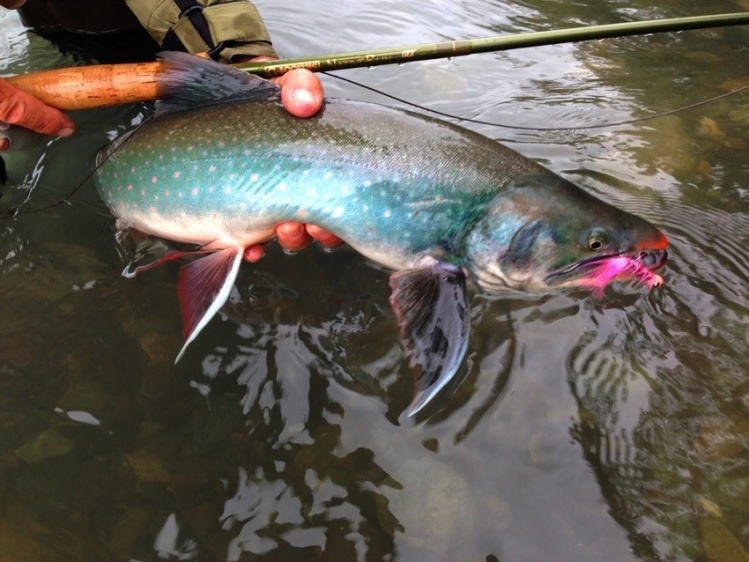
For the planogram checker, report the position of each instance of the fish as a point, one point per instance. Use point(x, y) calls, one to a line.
point(221, 163)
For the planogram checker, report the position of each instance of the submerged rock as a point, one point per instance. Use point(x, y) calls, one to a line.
point(434, 507)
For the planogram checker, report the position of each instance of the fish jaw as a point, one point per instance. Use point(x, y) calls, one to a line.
point(597, 273)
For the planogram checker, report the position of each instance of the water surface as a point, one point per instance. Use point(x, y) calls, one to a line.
point(583, 428)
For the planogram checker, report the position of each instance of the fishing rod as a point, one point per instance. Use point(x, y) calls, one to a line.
point(86, 87)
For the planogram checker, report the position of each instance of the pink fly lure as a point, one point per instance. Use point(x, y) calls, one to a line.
point(620, 267)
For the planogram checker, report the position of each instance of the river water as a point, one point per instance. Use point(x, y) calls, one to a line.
point(583, 429)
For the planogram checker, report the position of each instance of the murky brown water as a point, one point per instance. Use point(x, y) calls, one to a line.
point(583, 429)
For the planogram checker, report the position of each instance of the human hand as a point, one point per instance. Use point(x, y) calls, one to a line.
point(19, 108)
point(301, 90)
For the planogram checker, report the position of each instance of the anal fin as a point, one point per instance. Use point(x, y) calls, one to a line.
point(204, 286)
point(431, 306)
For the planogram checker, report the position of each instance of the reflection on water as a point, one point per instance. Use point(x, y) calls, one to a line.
point(582, 428)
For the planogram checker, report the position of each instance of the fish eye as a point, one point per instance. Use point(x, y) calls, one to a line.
point(597, 240)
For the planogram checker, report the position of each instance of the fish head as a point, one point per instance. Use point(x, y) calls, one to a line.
point(544, 233)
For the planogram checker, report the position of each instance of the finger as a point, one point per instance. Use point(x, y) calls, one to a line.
point(301, 92)
point(325, 237)
point(254, 253)
point(293, 236)
point(19, 108)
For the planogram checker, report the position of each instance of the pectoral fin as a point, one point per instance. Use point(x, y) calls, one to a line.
point(151, 252)
point(204, 285)
point(431, 306)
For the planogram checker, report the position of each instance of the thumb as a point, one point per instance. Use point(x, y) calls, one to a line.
point(19, 108)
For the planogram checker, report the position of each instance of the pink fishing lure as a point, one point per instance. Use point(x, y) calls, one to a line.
point(620, 267)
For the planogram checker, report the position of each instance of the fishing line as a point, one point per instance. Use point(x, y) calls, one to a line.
point(546, 129)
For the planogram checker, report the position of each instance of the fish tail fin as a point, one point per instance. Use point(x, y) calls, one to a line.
point(204, 286)
point(190, 81)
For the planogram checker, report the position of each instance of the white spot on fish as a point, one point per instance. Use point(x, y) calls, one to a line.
point(387, 214)
point(246, 152)
point(327, 175)
point(253, 177)
point(282, 186)
point(345, 190)
point(367, 183)
point(194, 190)
point(337, 212)
point(365, 208)
point(227, 190)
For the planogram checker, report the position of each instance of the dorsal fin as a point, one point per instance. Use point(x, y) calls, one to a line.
point(190, 81)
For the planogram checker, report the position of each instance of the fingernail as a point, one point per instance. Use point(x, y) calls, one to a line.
point(65, 132)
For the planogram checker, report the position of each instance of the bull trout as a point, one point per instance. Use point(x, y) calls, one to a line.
point(222, 163)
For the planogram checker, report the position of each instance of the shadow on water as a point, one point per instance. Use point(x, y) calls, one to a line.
point(581, 428)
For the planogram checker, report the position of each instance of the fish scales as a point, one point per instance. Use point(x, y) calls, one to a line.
point(371, 174)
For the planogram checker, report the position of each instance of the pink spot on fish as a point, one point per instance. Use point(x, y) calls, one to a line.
point(227, 190)
point(132, 170)
point(189, 149)
point(166, 192)
point(130, 187)
point(142, 191)
point(154, 179)
point(212, 169)
point(194, 191)
point(176, 175)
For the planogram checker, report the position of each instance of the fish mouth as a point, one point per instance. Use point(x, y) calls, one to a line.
point(598, 271)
